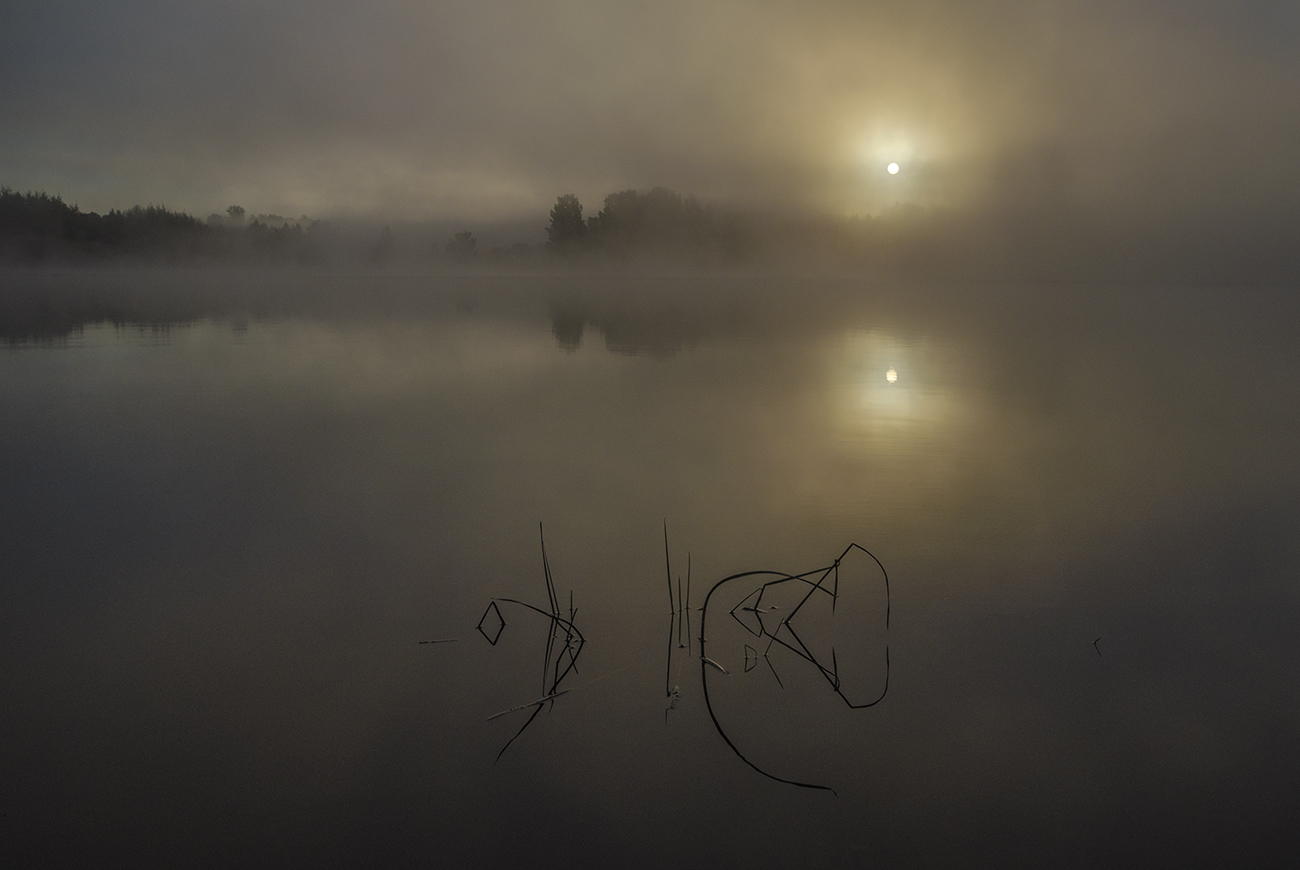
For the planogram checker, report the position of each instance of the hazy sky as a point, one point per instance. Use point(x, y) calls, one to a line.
point(478, 108)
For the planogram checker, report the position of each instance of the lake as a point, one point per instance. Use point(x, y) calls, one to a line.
point(278, 548)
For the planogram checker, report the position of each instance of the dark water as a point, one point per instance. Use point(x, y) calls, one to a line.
point(232, 506)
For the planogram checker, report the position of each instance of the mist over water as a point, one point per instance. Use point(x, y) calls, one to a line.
point(233, 504)
point(721, 434)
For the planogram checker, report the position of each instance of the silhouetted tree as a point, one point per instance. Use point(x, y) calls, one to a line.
point(36, 226)
point(236, 213)
point(567, 229)
point(615, 226)
point(661, 220)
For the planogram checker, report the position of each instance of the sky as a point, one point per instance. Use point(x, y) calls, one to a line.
point(491, 108)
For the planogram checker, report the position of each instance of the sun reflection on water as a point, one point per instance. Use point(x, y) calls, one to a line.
point(893, 415)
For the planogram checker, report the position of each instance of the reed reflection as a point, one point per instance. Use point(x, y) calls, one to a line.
point(679, 629)
point(795, 615)
point(564, 643)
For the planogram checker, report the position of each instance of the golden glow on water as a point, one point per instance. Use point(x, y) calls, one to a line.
point(919, 415)
point(870, 401)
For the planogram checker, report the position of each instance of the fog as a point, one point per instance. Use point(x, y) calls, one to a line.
point(489, 110)
point(234, 503)
point(312, 316)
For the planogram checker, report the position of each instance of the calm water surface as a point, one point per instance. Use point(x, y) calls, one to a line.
point(231, 507)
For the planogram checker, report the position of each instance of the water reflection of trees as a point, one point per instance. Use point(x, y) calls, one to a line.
point(40, 306)
point(55, 317)
point(658, 332)
point(567, 324)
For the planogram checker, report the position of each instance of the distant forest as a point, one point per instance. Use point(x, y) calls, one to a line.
point(39, 228)
point(663, 227)
point(658, 226)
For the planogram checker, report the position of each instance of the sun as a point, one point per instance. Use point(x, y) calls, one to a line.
point(893, 168)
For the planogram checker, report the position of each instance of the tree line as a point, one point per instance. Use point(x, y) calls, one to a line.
point(660, 222)
point(906, 240)
point(37, 227)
